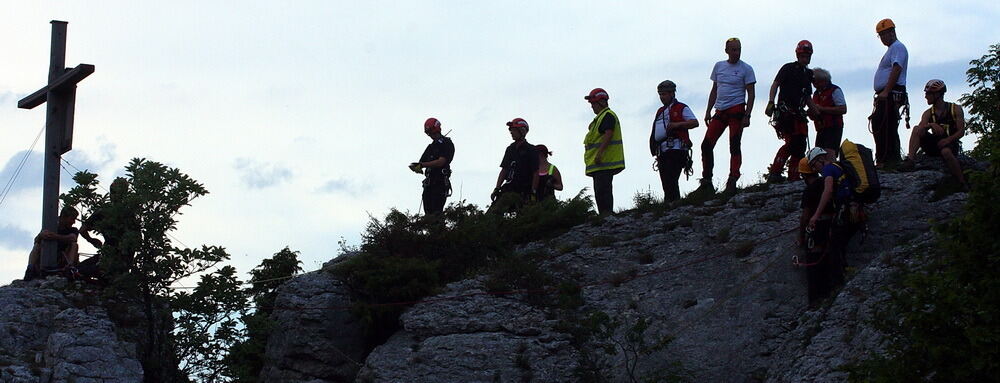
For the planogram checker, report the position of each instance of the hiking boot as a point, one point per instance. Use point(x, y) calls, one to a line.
point(775, 178)
point(706, 184)
point(731, 185)
point(907, 165)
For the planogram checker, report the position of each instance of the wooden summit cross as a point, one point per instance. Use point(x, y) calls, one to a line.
point(60, 94)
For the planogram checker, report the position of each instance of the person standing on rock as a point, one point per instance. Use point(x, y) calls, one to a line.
point(669, 142)
point(435, 165)
point(822, 271)
point(67, 251)
point(604, 153)
point(788, 116)
point(835, 197)
point(517, 181)
point(549, 178)
point(940, 129)
point(827, 109)
point(890, 95)
point(732, 96)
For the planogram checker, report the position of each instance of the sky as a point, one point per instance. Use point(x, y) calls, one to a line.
point(301, 117)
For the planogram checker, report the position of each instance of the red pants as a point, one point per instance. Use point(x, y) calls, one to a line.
point(791, 152)
point(733, 118)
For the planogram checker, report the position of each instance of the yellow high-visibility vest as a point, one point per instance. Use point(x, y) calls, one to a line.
point(614, 154)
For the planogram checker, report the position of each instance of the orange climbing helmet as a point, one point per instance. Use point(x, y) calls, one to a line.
point(883, 25)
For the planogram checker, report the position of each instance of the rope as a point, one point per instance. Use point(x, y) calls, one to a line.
point(13, 178)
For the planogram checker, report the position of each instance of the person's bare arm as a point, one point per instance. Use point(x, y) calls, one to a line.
point(501, 176)
point(711, 102)
point(823, 201)
point(557, 177)
point(689, 124)
point(751, 95)
point(439, 162)
point(959, 125)
point(85, 231)
point(769, 110)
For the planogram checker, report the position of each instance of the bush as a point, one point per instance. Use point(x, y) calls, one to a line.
point(404, 258)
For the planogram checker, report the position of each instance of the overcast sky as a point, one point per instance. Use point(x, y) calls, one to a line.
point(300, 117)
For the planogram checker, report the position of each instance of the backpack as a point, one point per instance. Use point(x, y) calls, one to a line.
point(859, 166)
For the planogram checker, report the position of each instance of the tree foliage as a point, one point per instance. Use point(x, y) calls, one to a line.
point(245, 357)
point(984, 101)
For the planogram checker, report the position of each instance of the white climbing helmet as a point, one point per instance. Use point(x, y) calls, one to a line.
point(814, 153)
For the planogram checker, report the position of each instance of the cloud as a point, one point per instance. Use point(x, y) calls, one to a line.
point(30, 174)
point(344, 186)
point(14, 238)
point(261, 175)
point(6, 96)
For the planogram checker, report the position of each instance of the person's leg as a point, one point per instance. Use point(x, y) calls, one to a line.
point(603, 194)
point(879, 122)
point(434, 198)
point(72, 254)
point(835, 138)
point(893, 145)
point(736, 154)
point(778, 165)
point(35, 256)
point(662, 163)
point(675, 165)
point(796, 150)
point(950, 160)
point(715, 129)
point(815, 277)
point(915, 138)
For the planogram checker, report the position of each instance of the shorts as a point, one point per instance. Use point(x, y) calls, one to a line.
point(929, 143)
point(829, 137)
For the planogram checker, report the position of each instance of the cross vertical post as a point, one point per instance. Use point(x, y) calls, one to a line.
point(60, 96)
point(53, 137)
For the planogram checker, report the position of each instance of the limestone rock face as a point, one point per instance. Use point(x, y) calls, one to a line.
point(48, 333)
point(475, 339)
point(718, 279)
point(316, 339)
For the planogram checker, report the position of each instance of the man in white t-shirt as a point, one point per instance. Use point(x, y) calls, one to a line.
point(890, 95)
point(732, 96)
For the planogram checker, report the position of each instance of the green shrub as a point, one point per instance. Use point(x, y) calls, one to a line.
point(404, 258)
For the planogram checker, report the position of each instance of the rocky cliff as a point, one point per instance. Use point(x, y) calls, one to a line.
point(716, 279)
point(56, 331)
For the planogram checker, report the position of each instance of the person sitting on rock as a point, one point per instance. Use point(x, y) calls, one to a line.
point(65, 237)
point(822, 272)
point(109, 222)
point(940, 129)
